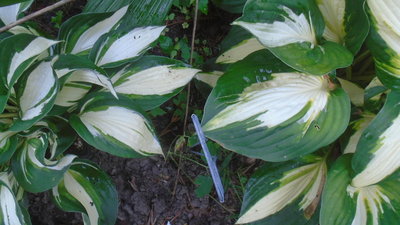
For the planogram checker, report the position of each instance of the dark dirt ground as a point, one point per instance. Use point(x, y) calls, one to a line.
point(153, 190)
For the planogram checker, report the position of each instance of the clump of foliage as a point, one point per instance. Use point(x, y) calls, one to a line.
point(94, 80)
point(283, 98)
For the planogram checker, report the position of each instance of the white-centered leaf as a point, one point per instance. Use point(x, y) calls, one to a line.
point(34, 49)
point(124, 125)
point(129, 45)
point(263, 101)
point(294, 29)
point(10, 213)
point(384, 160)
point(240, 51)
point(333, 12)
point(369, 205)
point(9, 14)
point(39, 90)
point(305, 180)
point(91, 35)
point(387, 21)
point(209, 78)
point(158, 80)
point(71, 93)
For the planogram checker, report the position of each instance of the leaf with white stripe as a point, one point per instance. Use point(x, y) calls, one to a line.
point(115, 126)
point(240, 51)
point(77, 74)
point(292, 31)
point(87, 189)
point(81, 32)
point(210, 78)
point(33, 171)
point(36, 92)
point(246, 114)
point(285, 193)
point(10, 211)
point(9, 13)
point(152, 80)
point(118, 48)
point(377, 155)
point(8, 145)
point(384, 40)
point(17, 53)
point(357, 127)
point(341, 17)
point(344, 204)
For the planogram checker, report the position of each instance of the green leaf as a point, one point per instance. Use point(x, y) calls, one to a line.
point(9, 13)
point(33, 171)
point(357, 128)
point(141, 12)
point(240, 51)
point(245, 112)
point(383, 41)
point(35, 92)
point(8, 145)
point(17, 53)
point(81, 32)
point(11, 2)
point(203, 6)
point(10, 211)
point(355, 92)
point(377, 154)
point(152, 80)
point(115, 126)
point(341, 17)
point(118, 48)
point(284, 193)
point(205, 184)
point(87, 189)
point(344, 204)
point(292, 31)
point(232, 6)
point(210, 78)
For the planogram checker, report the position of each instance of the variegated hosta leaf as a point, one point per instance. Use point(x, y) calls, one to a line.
point(82, 31)
point(355, 92)
point(61, 134)
point(285, 193)
point(36, 92)
point(209, 78)
point(10, 211)
point(341, 17)
point(78, 74)
point(9, 13)
point(115, 126)
point(33, 171)
point(384, 40)
point(377, 155)
point(152, 80)
point(232, 6)
point(357, 128)
point(291, 30)
point(344, 204)
point(8, 145)
point(240, 51)
point(119, 48)
point(262, 109)
point(17, 53)
point(87, 189)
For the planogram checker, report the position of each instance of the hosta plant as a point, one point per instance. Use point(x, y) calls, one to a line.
point(331, 145)
point(94, 80)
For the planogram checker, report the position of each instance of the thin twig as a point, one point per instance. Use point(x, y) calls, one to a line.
point(191, 63)
point(35, 14)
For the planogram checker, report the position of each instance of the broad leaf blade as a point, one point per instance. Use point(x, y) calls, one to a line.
point(245, 112)
point(152, 80)
point(232, 6)
point(87, 189)
point(292, 31)
point(115, 126)
point(11, 2)
point(377, 154)
point(284, 193)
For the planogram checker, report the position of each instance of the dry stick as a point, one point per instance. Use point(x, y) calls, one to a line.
point(35, 14)
point(191, 62)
